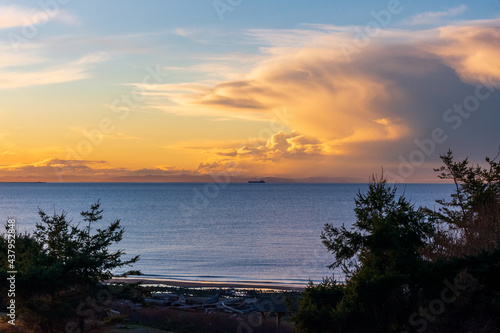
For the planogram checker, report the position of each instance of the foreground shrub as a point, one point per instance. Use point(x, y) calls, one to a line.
point(60, 268)
point(415, 270)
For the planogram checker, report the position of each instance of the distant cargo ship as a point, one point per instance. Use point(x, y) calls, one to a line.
point(256, 181)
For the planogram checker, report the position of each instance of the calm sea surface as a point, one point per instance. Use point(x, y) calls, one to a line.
point(235, 232)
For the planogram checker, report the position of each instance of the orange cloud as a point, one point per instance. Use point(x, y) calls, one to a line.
point(328, 98)
point(280, 145)
point(59, 170)
point(366, 109)
point(290, 153)
point(325, 97)
point(473, 51)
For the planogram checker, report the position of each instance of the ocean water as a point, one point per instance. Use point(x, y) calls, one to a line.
point(211, 232)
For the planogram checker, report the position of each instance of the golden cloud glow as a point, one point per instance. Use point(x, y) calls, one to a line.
point(473, 51)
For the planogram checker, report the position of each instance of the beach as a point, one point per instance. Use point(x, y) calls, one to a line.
point(208, 284)
point(191, 306)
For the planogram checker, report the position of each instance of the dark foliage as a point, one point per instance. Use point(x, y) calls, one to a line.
point(60, 268)
point(414, 270)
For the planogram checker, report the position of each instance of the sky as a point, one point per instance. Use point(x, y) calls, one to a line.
point(171, 90)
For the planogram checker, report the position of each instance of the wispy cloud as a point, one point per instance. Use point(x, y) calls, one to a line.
point(184, 32)
point(24, 59)
point(71, 71)
point(7, 153)
point(17, 16)
point(436, 17)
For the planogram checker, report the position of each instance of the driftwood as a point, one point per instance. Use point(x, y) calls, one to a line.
point(232, 309)
point(236, 306)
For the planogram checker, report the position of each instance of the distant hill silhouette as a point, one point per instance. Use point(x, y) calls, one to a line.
point(182, 178)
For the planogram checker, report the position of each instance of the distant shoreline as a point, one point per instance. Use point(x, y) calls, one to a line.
point(209, 284)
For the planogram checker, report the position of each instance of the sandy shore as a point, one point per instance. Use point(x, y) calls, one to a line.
point(208, 284)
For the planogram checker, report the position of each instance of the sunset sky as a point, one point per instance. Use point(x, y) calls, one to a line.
point(118, 90)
